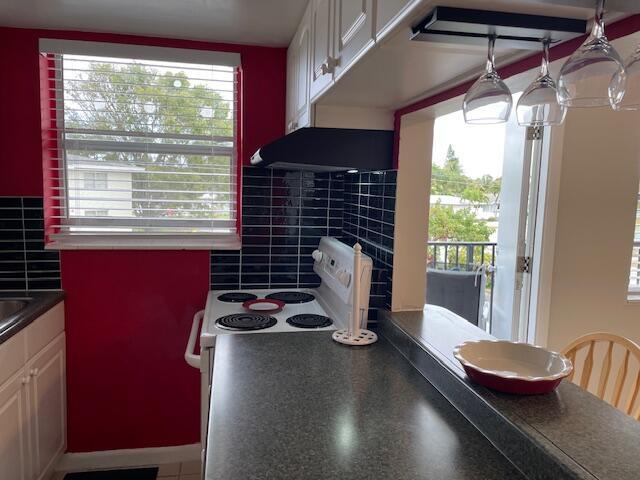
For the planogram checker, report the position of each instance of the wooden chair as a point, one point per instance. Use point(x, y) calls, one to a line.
point(616, 352)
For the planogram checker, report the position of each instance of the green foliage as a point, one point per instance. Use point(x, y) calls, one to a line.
point(138, 98)
point(450, 179)
point(449, 224)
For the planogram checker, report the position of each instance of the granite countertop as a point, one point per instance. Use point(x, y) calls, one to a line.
point(598, 439)
point(37, 304)
point(298, 405)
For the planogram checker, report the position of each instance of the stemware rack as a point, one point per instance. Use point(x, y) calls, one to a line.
point(513, 30)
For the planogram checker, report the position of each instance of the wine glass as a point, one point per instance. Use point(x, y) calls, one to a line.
point(594, 75)
point(630, 100)
point(489, 99)
point(538, 106)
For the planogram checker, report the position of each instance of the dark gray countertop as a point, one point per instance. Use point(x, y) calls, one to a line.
point(300, 406)
point(569, 422)
point(37, 304)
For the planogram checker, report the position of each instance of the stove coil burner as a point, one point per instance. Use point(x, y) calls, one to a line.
point(308, 320)
point(237, 297)
point(292, 297)
point(245, 321)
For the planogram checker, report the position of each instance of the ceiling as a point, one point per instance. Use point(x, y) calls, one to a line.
point(256, 22)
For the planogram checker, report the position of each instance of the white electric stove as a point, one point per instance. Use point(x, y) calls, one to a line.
point(327, 307)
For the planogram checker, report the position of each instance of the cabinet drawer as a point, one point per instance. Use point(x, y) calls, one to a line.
point(44, 329)
point(13, 355)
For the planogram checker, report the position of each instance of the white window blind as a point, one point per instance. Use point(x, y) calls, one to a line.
point(143, 150)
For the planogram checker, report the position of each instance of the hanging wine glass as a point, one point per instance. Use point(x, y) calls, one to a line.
point(538, 106)
point(630, 100)
point(489, 99)
point(586, 77)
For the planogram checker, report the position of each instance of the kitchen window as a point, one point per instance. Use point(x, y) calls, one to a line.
point(140, 146)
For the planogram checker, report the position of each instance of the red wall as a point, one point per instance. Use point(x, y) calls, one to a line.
point(128, 316)
point(128, 313)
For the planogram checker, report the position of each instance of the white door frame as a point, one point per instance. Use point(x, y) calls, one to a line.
point(545, 235)
point(536, 152)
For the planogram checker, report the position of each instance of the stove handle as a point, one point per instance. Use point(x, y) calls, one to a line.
point(189, 354)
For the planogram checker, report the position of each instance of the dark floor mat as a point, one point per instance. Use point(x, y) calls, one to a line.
point(132, 474)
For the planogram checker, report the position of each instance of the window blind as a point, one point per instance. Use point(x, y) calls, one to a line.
point(139, 150)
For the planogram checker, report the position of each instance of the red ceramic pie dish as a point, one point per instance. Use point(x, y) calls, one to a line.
point(511, 367)
point(264, 305)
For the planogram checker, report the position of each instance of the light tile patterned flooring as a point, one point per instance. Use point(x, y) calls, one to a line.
point(167, 471)
point(179, 471)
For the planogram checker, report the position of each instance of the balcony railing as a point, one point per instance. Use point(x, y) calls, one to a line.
point(469, 257)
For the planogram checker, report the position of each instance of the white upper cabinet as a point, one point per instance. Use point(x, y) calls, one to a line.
point(322, 59)
point(303, 53)
point(291, 89)
point(298, 76)
point(333, 36)
point(387, 11)
point(353, 32)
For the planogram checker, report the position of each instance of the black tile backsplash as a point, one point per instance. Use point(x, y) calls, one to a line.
point(369, 218)
point(24, 263)
point(284, 215)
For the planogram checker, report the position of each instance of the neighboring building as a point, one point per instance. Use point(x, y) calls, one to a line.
point(100, 189)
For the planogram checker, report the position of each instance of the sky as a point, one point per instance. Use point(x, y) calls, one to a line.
point(480, 148)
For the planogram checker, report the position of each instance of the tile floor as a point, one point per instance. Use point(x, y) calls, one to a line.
point(167, 471)
point(179, 471)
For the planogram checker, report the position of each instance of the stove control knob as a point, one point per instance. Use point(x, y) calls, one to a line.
point(317, 255)
point(344, 277)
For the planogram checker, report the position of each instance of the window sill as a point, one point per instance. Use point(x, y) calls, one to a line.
point(144, 242)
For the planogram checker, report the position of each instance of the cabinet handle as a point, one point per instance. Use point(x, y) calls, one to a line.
point(325, 68)
point(34, 372)
point(328, 66)
point(25, 380)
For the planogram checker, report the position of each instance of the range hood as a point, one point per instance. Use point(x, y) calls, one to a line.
point(328, 150)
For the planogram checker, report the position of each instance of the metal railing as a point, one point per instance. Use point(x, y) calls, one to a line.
point(468, 257)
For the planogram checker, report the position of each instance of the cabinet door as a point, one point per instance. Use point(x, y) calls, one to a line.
point(389, 10)
point(353, 31)
point(48, 405)
point(322, 61)
point(303, 47)
point(291, 87)
point(15, 458)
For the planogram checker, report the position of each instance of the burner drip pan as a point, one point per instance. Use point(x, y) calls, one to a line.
point(308, 320)
point(245, 322)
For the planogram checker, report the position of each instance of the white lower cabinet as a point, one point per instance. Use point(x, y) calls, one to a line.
point(33, 401)
point(47, 406)
point(15, 459)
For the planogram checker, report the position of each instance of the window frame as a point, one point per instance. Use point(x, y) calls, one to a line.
point(94, 181)
point(230, 240)
point(633, 291)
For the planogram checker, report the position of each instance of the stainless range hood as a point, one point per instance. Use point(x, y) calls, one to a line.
point(328, 150)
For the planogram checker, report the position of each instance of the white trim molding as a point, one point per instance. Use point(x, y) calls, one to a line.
point(127, 458)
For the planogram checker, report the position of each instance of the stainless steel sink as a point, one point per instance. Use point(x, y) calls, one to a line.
point(9, 307)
